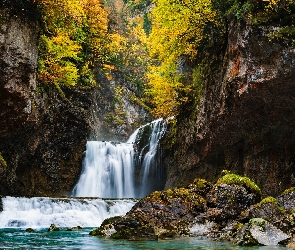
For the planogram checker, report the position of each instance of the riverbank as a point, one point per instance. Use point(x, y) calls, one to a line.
point(232, 210)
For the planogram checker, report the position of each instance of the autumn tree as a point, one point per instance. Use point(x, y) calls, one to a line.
point(177, 29)
point(72, 40)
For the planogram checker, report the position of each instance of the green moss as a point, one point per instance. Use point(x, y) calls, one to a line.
point(289, 190)
point(257, 221)
point(272, 200)
point(268, 199)
point(184, 194)
point(200, 183)
point(231, 179)
point(287, 32)
point(2, 162)
point(172, 134)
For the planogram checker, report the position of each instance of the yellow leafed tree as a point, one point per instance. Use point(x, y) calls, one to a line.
point(177, 29)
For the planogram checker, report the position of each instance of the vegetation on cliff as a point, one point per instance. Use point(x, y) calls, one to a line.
point(157, 45)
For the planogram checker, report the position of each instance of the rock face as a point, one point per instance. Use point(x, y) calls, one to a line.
point(42, 134)
point(244, 120)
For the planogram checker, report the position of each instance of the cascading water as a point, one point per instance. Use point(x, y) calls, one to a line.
point(150, 176)
point(40, 212)
point(108, 171)
point(109, 168)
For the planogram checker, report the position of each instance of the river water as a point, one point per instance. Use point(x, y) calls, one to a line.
point(17, 238)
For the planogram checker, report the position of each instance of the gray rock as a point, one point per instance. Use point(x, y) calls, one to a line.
point(268, 235)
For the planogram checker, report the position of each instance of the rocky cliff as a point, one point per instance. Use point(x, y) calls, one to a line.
point(244, 121)
point(43, 134)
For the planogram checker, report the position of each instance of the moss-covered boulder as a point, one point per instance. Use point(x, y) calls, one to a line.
point(287, 199)
point(172, 209)
point(267, 209)
point(125, 227)
point(74, 228)
point(230, 196)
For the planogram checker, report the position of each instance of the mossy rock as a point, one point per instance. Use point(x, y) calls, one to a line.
point(258, 222)
point(107, 227)
point(200, 186)
point(136, 234)
point(53, 228)
point(74, 228)
point(289, 190)
point(231, 179)
point(30, 230)
point(270, 200)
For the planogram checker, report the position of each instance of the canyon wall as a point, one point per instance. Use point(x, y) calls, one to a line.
point(244, 121)
point(43, 133)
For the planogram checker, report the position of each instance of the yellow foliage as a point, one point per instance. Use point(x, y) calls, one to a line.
point(177, 29)
point(54, 67)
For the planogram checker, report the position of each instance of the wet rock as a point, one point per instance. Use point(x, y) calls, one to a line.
point(173, 208)
point(259, 231)
point(74, 228)
point(30, 230)
point(107, 227)
point(127, 227)
point(53, 228)
point(136, 234)
point(205, 229)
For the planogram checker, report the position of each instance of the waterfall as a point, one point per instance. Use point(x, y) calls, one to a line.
point(150, 176)
point(40, 212)
point(109, 167)
point(108, 171)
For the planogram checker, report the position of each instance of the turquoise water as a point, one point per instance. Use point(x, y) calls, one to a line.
point(17, 238)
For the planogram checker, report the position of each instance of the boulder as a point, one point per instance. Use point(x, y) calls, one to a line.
point(226, 202)
point(53, 228)
point(267, 209)
point(74, 228)
point(260, 232)
point(287, 199)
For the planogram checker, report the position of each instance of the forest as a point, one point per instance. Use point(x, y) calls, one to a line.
point(146, 41)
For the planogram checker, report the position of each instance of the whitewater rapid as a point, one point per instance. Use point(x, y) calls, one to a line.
point(40, 212)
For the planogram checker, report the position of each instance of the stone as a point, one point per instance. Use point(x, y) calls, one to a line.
point(260, 232)
point(226, 202)
point(74, 228)
point(287, 199)
point(53, 228)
